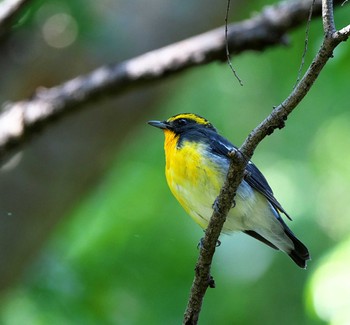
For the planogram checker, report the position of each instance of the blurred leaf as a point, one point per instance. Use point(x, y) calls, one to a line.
point(329, 287)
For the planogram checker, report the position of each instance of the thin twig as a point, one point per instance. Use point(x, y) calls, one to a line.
point(306, 43)
point(238, 164)
point(228, 56)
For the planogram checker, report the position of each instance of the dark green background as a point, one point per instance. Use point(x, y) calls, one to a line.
point(124, 250)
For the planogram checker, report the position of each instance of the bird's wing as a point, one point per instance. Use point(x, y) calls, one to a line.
point(257, 180)
point(221, 146)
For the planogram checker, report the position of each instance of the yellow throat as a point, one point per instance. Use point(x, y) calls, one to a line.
point(192, 178)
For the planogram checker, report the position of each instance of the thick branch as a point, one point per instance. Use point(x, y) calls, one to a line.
point(21, 119)
point(328, 17)
point(239, 160)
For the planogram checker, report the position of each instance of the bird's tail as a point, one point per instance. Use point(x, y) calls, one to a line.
point(300, 254)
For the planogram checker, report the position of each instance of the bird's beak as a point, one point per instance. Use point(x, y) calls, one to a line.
point(158, 124)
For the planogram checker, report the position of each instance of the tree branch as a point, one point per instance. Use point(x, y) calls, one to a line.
point(20, 120)
point(328, 17)
point(240, 158)
point(9, 10)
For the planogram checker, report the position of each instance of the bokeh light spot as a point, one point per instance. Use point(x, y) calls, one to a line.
point(330, 287)
point(60, 30)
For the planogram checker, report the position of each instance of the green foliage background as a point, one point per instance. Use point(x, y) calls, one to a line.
point(126, 252)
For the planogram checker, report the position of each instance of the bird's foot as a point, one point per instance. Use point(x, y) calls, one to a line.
point(200, 244)
point(215, 205)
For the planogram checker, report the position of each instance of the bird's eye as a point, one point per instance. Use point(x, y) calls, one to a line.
point(182, 121)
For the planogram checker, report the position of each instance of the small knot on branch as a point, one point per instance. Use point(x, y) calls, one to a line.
point(281, 123)
point(270, 130)
point(211, 282)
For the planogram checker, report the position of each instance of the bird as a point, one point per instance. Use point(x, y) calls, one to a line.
point(196, 165)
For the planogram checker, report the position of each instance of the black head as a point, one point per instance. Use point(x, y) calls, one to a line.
point(183, 122)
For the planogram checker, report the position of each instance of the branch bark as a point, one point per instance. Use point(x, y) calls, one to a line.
point(20, 120)
point(240, 158)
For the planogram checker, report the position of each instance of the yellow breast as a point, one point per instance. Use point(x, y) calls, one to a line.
point(193, 179)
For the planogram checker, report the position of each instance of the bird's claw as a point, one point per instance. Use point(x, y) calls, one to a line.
point(233, 203)
point(200, 244)
point(215, 205)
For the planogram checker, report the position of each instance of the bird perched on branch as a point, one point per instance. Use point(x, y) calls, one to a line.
point(197, 161)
